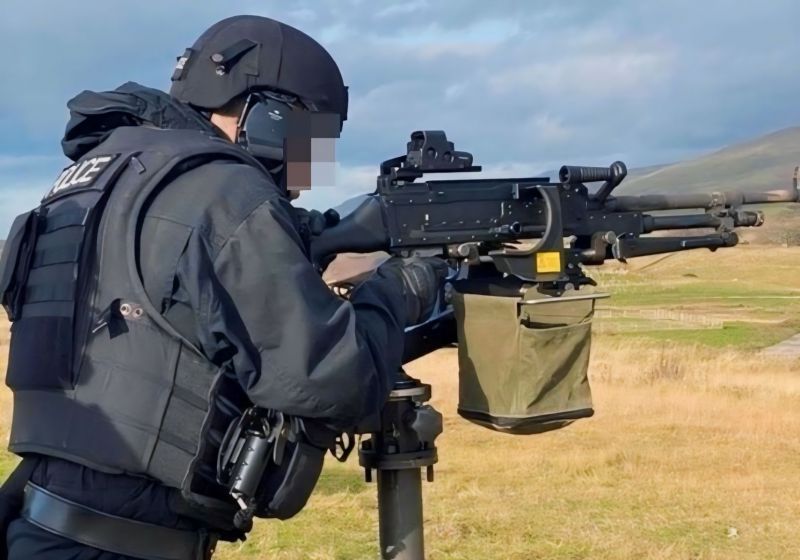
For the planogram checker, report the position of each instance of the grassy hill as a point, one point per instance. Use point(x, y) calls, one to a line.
point(763, 163)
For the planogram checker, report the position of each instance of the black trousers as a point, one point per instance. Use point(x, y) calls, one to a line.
point(126, 496)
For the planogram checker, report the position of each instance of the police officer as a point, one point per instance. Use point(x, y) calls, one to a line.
point(163, 289)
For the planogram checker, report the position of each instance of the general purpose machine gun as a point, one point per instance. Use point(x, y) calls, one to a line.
point(533, 235)
point(474, 220)
point(478, 224)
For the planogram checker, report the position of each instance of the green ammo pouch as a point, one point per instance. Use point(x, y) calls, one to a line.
point(523, 359)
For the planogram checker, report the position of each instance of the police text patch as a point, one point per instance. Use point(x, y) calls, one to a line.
point(80, 175)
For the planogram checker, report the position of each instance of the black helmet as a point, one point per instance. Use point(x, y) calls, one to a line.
point(250, 53)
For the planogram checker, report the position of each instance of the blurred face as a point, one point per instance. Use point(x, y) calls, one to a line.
point(278, 128)
point(311, 153)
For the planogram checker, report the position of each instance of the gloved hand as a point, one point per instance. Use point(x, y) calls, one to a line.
point(421, 278)
point(314, 221)
point(311, 223)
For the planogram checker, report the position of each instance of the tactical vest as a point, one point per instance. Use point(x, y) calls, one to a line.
point(99, 376)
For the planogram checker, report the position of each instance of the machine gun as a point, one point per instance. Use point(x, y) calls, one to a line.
point(480, 222)
point(538, 232)
point(475, 220)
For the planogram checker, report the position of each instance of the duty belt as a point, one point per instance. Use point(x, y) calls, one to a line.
point(110, 532)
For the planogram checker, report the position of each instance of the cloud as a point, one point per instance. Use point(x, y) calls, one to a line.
point(619, 73)
point(351, 181)
point(551, 127)
point(402, 9)
point(523, 85)
point(28, 163)
point(23, 182)
point(17, 198)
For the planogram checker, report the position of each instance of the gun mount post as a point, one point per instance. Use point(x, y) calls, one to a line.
point(404, 445)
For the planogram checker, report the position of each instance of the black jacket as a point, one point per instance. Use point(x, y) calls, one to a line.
point(242, 287)
point(239, 285)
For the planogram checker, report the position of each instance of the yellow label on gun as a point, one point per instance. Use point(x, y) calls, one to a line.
point(548, 261)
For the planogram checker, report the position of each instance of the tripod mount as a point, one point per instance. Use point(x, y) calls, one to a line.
point(403, 446)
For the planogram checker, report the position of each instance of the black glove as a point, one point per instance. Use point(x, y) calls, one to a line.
point(311, 223)
point(315, 222)
point(421, 278)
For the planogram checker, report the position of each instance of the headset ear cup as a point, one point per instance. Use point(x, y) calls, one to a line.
point(263, 127)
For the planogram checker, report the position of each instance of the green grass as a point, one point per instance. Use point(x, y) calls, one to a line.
point(743, 336)
point(754, 291)
point(691, 289)
point(700, 293)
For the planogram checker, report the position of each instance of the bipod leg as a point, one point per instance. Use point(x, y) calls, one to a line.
point(403, 446)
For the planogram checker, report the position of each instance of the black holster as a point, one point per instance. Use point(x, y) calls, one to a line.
point(270, 462)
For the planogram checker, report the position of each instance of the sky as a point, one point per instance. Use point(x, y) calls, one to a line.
point(525, 85)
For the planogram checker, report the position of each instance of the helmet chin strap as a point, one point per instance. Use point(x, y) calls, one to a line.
point(277, 169)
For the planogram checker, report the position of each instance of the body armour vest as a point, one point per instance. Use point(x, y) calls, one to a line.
point(99, 376)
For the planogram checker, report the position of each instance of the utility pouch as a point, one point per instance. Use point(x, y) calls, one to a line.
point(41, 297)
point(286, 491)
point(270, 463)
point(15, 262)
point(45, 274)
point(523, 358)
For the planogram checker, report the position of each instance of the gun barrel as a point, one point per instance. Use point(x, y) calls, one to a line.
point(651, 202)
point(692, 221)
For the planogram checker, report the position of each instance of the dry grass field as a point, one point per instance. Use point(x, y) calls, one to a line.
point(6, 460)
point(694, 451)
